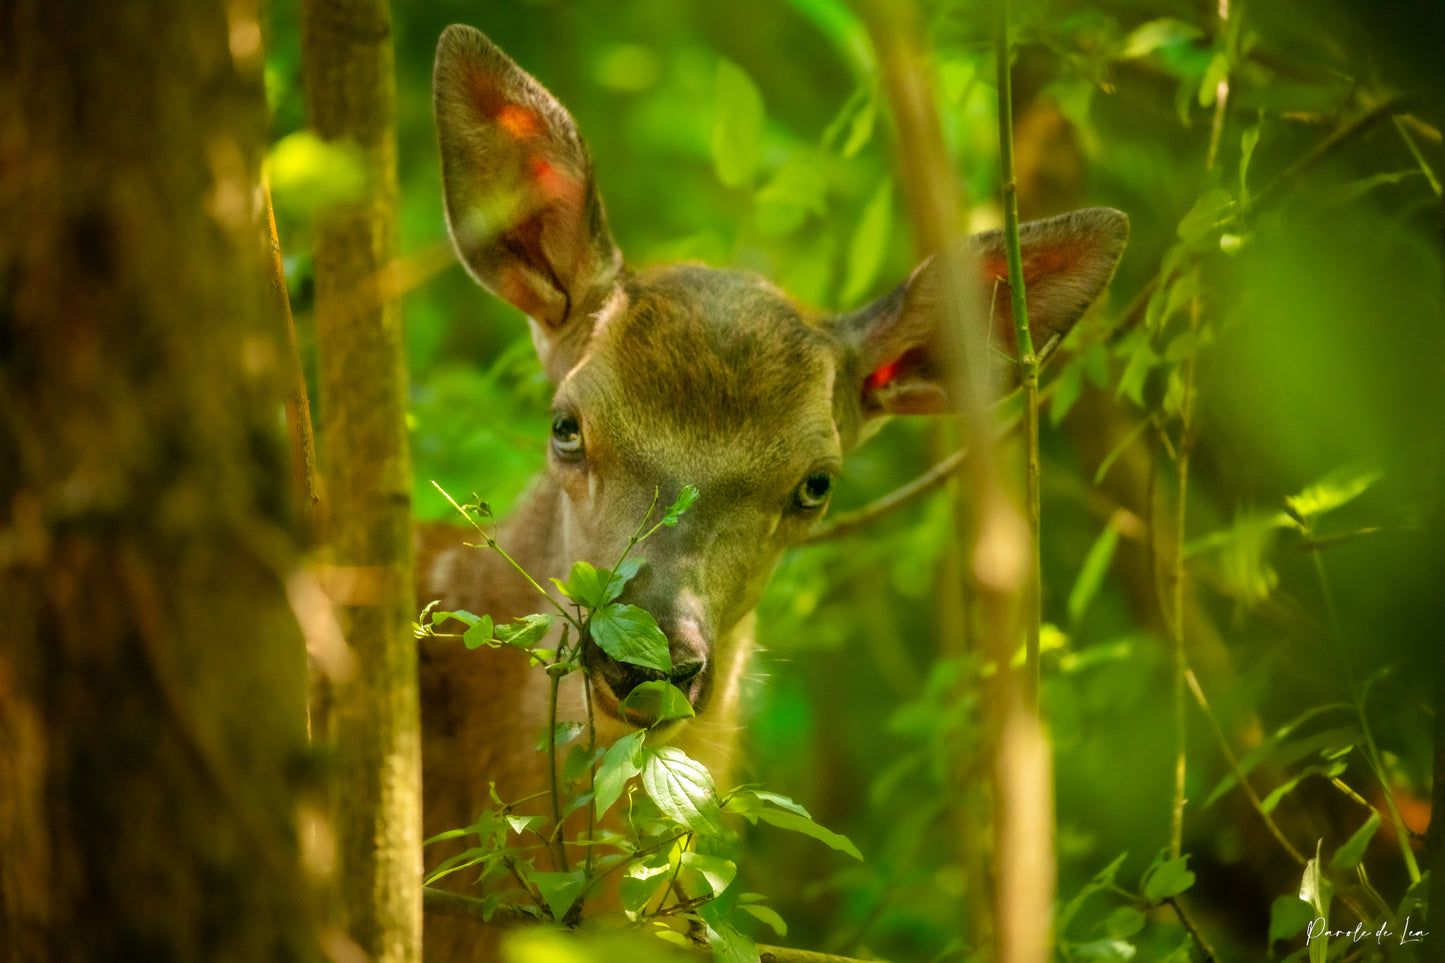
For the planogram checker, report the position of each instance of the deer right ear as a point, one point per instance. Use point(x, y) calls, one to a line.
point(1067, 262)
point(522, 207)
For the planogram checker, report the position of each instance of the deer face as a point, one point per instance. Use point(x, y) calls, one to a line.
point(682, 374)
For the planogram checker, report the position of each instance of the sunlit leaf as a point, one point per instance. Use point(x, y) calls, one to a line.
point(479, 634)
point(716, 871)
point(630, 634)
point(659, 700)
point(621, 762)
point(1164, 32)
point(685, 499)
point(802, 824)
point(682, 789)
point(1104, 951)
point(1336, 489)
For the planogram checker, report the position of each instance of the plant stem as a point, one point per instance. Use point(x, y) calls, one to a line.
point(492, 544)
point(1028, 362)
point(559, 845)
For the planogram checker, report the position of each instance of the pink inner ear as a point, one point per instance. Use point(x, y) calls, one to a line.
point(882, 376)
point(518, 121)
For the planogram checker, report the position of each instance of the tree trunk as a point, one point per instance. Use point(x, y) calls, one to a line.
point(350, 94)
point(152, 677)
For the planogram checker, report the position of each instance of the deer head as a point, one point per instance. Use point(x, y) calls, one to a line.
point(683, 374)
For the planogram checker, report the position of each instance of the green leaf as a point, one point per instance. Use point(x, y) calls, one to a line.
point(1335, 490)
point(525, 632)
point(1208, 213)
point(682, 789)
point(1104, 951)
point(1329, 771)
point(642, 884)
point(1167, 878)
point(1103, 879)
point(659, 699)
point(716, 871)
point(1288, 915)
point(1136, 372)
point(1068, 386)
point(1164, 32)
point(583, 585)
point(461, 615)
point(1214, 75)
point(1124, 922)
point(685, 498)
point(565, 733)
point(629, 634)
point(480, 634)
point(1314, 890)
point(1248, 141)
point(560, 890)
point(860, 129)
point(521, 824)
point(737, 133)
point(802, 824)
point(728, 944)
point(1092, 572)
point(622, 761)
point(767, 916)
point(870, 242)
point(1349, 855)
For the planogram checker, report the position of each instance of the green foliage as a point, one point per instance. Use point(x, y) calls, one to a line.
point(677, 855)
point(1276, 314)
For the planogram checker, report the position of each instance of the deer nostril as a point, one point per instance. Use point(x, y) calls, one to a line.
point(684, 672)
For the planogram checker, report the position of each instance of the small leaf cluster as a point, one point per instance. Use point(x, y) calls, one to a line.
point(654, 820)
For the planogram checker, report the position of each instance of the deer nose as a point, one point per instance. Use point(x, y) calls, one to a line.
point(690, 668)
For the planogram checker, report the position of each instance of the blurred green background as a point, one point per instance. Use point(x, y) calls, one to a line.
point(1285, 250)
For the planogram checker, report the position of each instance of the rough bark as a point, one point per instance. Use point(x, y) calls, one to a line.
point(152, 678)
point(351, 98)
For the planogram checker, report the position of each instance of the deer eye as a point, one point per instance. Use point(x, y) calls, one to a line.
point(566, 436)
point(813, 493)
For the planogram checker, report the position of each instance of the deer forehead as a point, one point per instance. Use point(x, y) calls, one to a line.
point(691, 370)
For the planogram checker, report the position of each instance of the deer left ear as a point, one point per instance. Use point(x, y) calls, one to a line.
point(1067, 262)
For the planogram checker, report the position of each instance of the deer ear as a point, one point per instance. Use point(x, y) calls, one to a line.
point(521, 203)
point(1067, 262)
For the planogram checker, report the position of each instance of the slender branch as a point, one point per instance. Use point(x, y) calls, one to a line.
point(559, 846)
point(1205, 950)
point(491, 543)
point(1028, 362)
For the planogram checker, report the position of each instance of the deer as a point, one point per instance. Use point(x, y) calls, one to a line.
point(665, 376)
